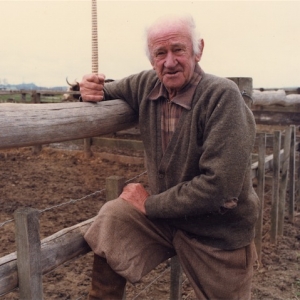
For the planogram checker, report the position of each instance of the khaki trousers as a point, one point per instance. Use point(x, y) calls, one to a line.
point(134, 245)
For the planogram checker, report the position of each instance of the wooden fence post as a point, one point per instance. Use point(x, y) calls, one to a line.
point(298, 181)
point(28, 253)
point(260, 192)
point(36, 149)
point(245, 85)
point(23, 97)
point(36, 97)
point(87, 143)
point(114, 187)
point(33, 97)
point(292, 175)
point(284, 180)
point(275, 196)
point(176, 279)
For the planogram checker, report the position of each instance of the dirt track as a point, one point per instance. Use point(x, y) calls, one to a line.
point(56, 176)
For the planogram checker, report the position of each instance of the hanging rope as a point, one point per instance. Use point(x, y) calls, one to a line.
point(94, 38)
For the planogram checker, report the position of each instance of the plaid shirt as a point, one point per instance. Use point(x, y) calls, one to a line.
point(171, 110)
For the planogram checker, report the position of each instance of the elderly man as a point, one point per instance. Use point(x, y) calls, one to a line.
point(198, 136)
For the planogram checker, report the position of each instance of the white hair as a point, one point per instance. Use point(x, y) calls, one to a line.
point(166, 21)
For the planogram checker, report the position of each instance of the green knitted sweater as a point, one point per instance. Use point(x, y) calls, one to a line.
point(202, 183)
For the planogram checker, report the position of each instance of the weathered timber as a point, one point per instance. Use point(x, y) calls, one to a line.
point(55, 250)
point(268, 164)
point(284, 180)
point(36, 149)
point(87, 143)
point(119, 143)
point(270, 138)
point(292, 165)
point(298, 183)
point(64, 245)
point(275, 188)
point(31, 124)
point(277, 108)
point(176, 279)
point(29, 253)
point(276, 117)
point(123, 159)
point(8, 273)
point(114, 187)
point(277, 114)
point(260, 193)
point(245, 85)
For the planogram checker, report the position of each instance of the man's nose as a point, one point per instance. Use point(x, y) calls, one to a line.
point(170, 60)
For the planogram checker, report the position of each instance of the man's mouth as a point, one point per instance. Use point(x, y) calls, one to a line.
point(171, 73)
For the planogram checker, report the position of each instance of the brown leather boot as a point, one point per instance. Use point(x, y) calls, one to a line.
point(106, 283)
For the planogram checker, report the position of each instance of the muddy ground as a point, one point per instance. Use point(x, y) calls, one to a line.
point(58, 174)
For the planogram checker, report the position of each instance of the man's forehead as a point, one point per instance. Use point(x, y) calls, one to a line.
point(169, 38)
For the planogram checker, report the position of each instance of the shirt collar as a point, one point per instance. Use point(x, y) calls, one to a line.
point(184, 96)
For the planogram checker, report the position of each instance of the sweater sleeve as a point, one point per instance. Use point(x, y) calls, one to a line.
point(131, 89)
point(227, 141)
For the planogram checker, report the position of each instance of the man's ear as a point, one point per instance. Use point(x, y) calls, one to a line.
point(201, 47)
point(152, 64)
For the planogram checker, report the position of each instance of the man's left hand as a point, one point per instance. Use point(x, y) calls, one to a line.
point(136, 195)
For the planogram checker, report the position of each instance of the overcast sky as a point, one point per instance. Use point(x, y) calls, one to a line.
point(46, 41)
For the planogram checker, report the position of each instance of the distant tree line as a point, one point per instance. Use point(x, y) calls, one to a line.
point(4, 85)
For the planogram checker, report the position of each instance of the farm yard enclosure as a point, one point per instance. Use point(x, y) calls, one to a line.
point(57, 175)
point(40, 181)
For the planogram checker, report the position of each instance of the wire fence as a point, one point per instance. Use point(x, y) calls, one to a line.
point(73, 201)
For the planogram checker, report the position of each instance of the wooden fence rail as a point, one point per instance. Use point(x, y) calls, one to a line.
point(264, 114)
point(33, 124)
point(55, 250)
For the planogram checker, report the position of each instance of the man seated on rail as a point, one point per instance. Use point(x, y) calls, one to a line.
point(198, 136)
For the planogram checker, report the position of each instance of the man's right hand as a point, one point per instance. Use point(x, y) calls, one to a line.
point(91, 87)
point(136, 195)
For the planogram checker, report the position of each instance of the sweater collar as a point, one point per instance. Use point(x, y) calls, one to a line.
point(184, 97)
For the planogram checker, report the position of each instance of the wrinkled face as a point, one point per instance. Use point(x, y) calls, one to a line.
point(172, 57)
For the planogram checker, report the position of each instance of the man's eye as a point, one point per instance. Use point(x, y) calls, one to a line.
point(160, 53)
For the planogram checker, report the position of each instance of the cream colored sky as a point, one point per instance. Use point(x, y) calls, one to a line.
point(46, 41)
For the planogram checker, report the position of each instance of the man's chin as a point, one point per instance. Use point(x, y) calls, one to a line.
point(173, 83)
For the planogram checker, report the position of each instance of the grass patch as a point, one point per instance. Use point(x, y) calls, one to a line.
point(17, 98)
